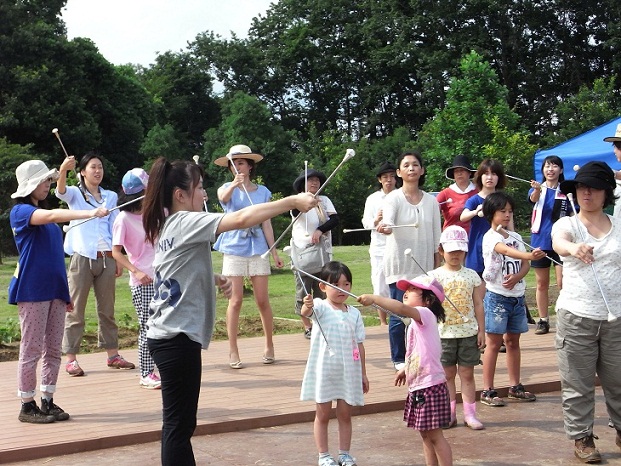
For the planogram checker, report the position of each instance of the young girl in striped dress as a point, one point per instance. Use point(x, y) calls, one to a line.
point(336, 363)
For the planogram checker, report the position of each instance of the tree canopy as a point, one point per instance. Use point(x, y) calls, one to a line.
point(312, 78)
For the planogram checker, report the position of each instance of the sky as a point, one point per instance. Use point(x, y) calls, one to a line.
point(134, 31)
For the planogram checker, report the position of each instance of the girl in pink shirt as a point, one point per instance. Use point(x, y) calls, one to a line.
point(427, 408)
point(128, 233)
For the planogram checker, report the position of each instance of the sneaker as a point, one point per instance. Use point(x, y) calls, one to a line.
point(503, 348)
point(490, 398)
point(327, 461)
point(74, 369)
point(543, 327)
point(346, 460)
point(51, 409)
point(150, 381)
point(118, 362)
point(307, 333)
point(517, 392)
point(586, 451)
point(30, 412)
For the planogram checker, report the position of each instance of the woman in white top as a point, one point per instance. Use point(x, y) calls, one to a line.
point(588, 340)
point(372, 216)
point(408, 205)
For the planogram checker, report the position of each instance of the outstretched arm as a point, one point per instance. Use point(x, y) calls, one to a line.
point(252, 215)
point(391, 305)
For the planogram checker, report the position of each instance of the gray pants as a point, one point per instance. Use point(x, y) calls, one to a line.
point(586, 347)
point(83, 274)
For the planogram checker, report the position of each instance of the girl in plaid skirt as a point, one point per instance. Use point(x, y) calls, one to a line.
point(427, 407)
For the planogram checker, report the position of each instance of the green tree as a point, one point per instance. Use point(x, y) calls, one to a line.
point(245, 120)
point(161, 141)
point(463, 126)
point(11, 156)
point(592, 106)
point(181, 85)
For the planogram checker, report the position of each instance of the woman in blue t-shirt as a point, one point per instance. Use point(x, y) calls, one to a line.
point(41, 309)
point(242, 249)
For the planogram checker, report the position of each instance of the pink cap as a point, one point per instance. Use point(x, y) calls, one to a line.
point(454, 238)
point(424, 282)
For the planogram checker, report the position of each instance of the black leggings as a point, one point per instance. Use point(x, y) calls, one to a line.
point(179, 362)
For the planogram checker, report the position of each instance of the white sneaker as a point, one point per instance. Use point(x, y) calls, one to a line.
point(151, 382)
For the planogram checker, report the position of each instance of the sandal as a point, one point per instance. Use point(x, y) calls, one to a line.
point(490, 398)
point(269, 360)
point(236, 364)
point(517, 392)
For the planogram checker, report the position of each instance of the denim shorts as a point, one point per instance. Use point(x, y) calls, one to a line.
point(504, 314)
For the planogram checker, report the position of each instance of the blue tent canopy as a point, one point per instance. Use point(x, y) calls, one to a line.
point(582, 149)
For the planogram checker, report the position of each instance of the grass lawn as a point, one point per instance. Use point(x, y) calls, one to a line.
point(282, 291)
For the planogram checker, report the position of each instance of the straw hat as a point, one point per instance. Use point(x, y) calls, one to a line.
point(616, 137)
point(31, 174)
point(239, 151)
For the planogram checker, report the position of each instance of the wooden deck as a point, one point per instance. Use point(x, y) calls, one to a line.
point(108, 408)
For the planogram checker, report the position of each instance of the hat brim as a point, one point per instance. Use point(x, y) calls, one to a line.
point(569, 186)
point(612, 139)
point(403, 285)
point(451, 246)
point(450, 172)
point(224, 161)
point(26, 189)
point(298, 184)
point(388, 170)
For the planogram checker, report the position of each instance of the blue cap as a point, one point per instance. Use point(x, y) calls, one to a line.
point(135, 181)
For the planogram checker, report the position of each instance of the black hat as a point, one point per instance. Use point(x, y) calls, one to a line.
point(298, 184)
point(596, 175)
point(460, 161)
point(386, 167)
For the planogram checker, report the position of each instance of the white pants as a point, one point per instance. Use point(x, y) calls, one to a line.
point(378, 279)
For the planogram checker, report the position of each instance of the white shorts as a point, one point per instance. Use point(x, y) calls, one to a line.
point(240, 266)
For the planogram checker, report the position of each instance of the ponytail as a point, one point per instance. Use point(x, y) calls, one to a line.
point(434, 305)
point(164, 178)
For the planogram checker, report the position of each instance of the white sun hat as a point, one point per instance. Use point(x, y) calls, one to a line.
point(31, 174)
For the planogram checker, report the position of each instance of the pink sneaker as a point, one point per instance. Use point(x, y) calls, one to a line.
point(151, 382)
point(117, 362)
point(74, 369)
